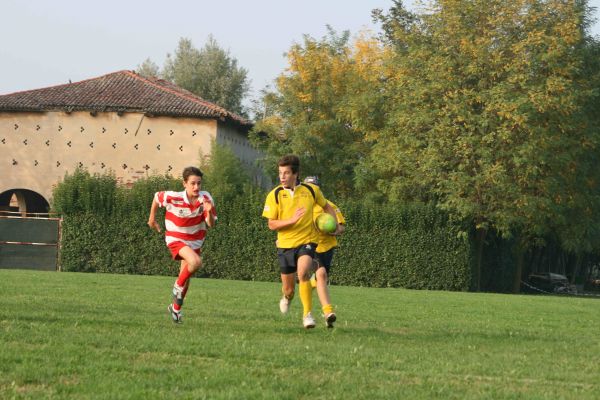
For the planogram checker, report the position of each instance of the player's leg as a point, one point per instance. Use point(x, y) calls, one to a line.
point(180, 285)
point(322, 287)
point(287, 265)
point(190, 263)
point(192, 259)
point(322, 274)
point(313, 276)
point(305, 262)
point(288, 287)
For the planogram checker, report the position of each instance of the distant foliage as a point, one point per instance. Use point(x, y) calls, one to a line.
point(224, 174)
point(113, 244)
point(82, 192)
point(317, 108)
point(488, 108)
point(210, 72)
point(241, 246)
point(148, 69)
point(137, 200)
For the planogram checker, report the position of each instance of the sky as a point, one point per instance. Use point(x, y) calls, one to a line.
point(47, 43)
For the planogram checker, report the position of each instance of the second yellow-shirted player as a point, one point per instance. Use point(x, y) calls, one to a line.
point(324, 255)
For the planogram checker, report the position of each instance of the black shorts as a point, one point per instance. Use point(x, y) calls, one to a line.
point(288, 258)
point(325, 259)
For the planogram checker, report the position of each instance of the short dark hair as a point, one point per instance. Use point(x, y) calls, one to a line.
point(189, 171)
point(291, 160)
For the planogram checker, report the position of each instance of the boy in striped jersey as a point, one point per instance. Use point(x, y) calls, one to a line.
point(188, 215)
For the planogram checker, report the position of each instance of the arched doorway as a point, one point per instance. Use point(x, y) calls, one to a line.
point(23, 201)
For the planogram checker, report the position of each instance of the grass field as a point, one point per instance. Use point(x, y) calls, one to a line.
point(78, 336)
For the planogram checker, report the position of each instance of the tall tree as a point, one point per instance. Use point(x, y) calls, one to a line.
point(225, 176)
point(315, 104)
point(148, 69)
point(211, 73)
point(489, 113)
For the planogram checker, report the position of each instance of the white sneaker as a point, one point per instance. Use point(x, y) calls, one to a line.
point(308, 321)
point(284, 305)
point(178, 294)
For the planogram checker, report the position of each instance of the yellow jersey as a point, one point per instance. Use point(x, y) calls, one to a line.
point(282, 203)
point(326, 241)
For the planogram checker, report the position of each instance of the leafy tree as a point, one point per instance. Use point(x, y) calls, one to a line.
point(318, 106)
point(489, 112)
point(210, 72)
point(82, 192)
point(148, 69)
point(225, 176)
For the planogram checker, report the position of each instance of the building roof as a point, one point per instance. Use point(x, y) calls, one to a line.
point(122, 91)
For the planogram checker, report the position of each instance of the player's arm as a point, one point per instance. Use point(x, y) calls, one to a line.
point(152, 218)
point(210, 216)
point(276, 224)
point(341, 227)
point(331, 211)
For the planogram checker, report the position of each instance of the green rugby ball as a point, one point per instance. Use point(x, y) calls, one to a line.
point(326, 223)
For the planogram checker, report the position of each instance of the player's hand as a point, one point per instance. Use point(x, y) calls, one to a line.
point(299, 213)
point(207, 205)
point(338, 230)
point(154, 225)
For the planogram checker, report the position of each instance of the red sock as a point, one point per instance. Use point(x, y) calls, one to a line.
point(184, 275)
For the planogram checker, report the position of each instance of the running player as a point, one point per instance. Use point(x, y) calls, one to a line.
point(188, 214)
point(289, 210)
point(327, 244)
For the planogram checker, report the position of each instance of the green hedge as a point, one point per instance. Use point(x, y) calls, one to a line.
point(409, 246)
point(123, 245)
point(241, 246)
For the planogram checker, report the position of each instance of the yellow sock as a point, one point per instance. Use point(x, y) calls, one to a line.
point(306, 296)
point(327, 308)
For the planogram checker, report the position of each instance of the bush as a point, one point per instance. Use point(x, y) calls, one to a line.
point(412, 246)
point(82, 192)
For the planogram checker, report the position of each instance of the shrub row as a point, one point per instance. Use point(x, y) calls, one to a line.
point(413, 246)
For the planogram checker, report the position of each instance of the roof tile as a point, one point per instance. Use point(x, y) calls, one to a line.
point(122, 91)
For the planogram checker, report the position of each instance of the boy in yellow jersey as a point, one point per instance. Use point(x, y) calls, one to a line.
point(324, 256)
point(289, 208)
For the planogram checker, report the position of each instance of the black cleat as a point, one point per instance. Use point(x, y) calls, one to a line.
point(175, 315)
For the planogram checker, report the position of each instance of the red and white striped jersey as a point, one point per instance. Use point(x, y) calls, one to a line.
point(184, 222)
